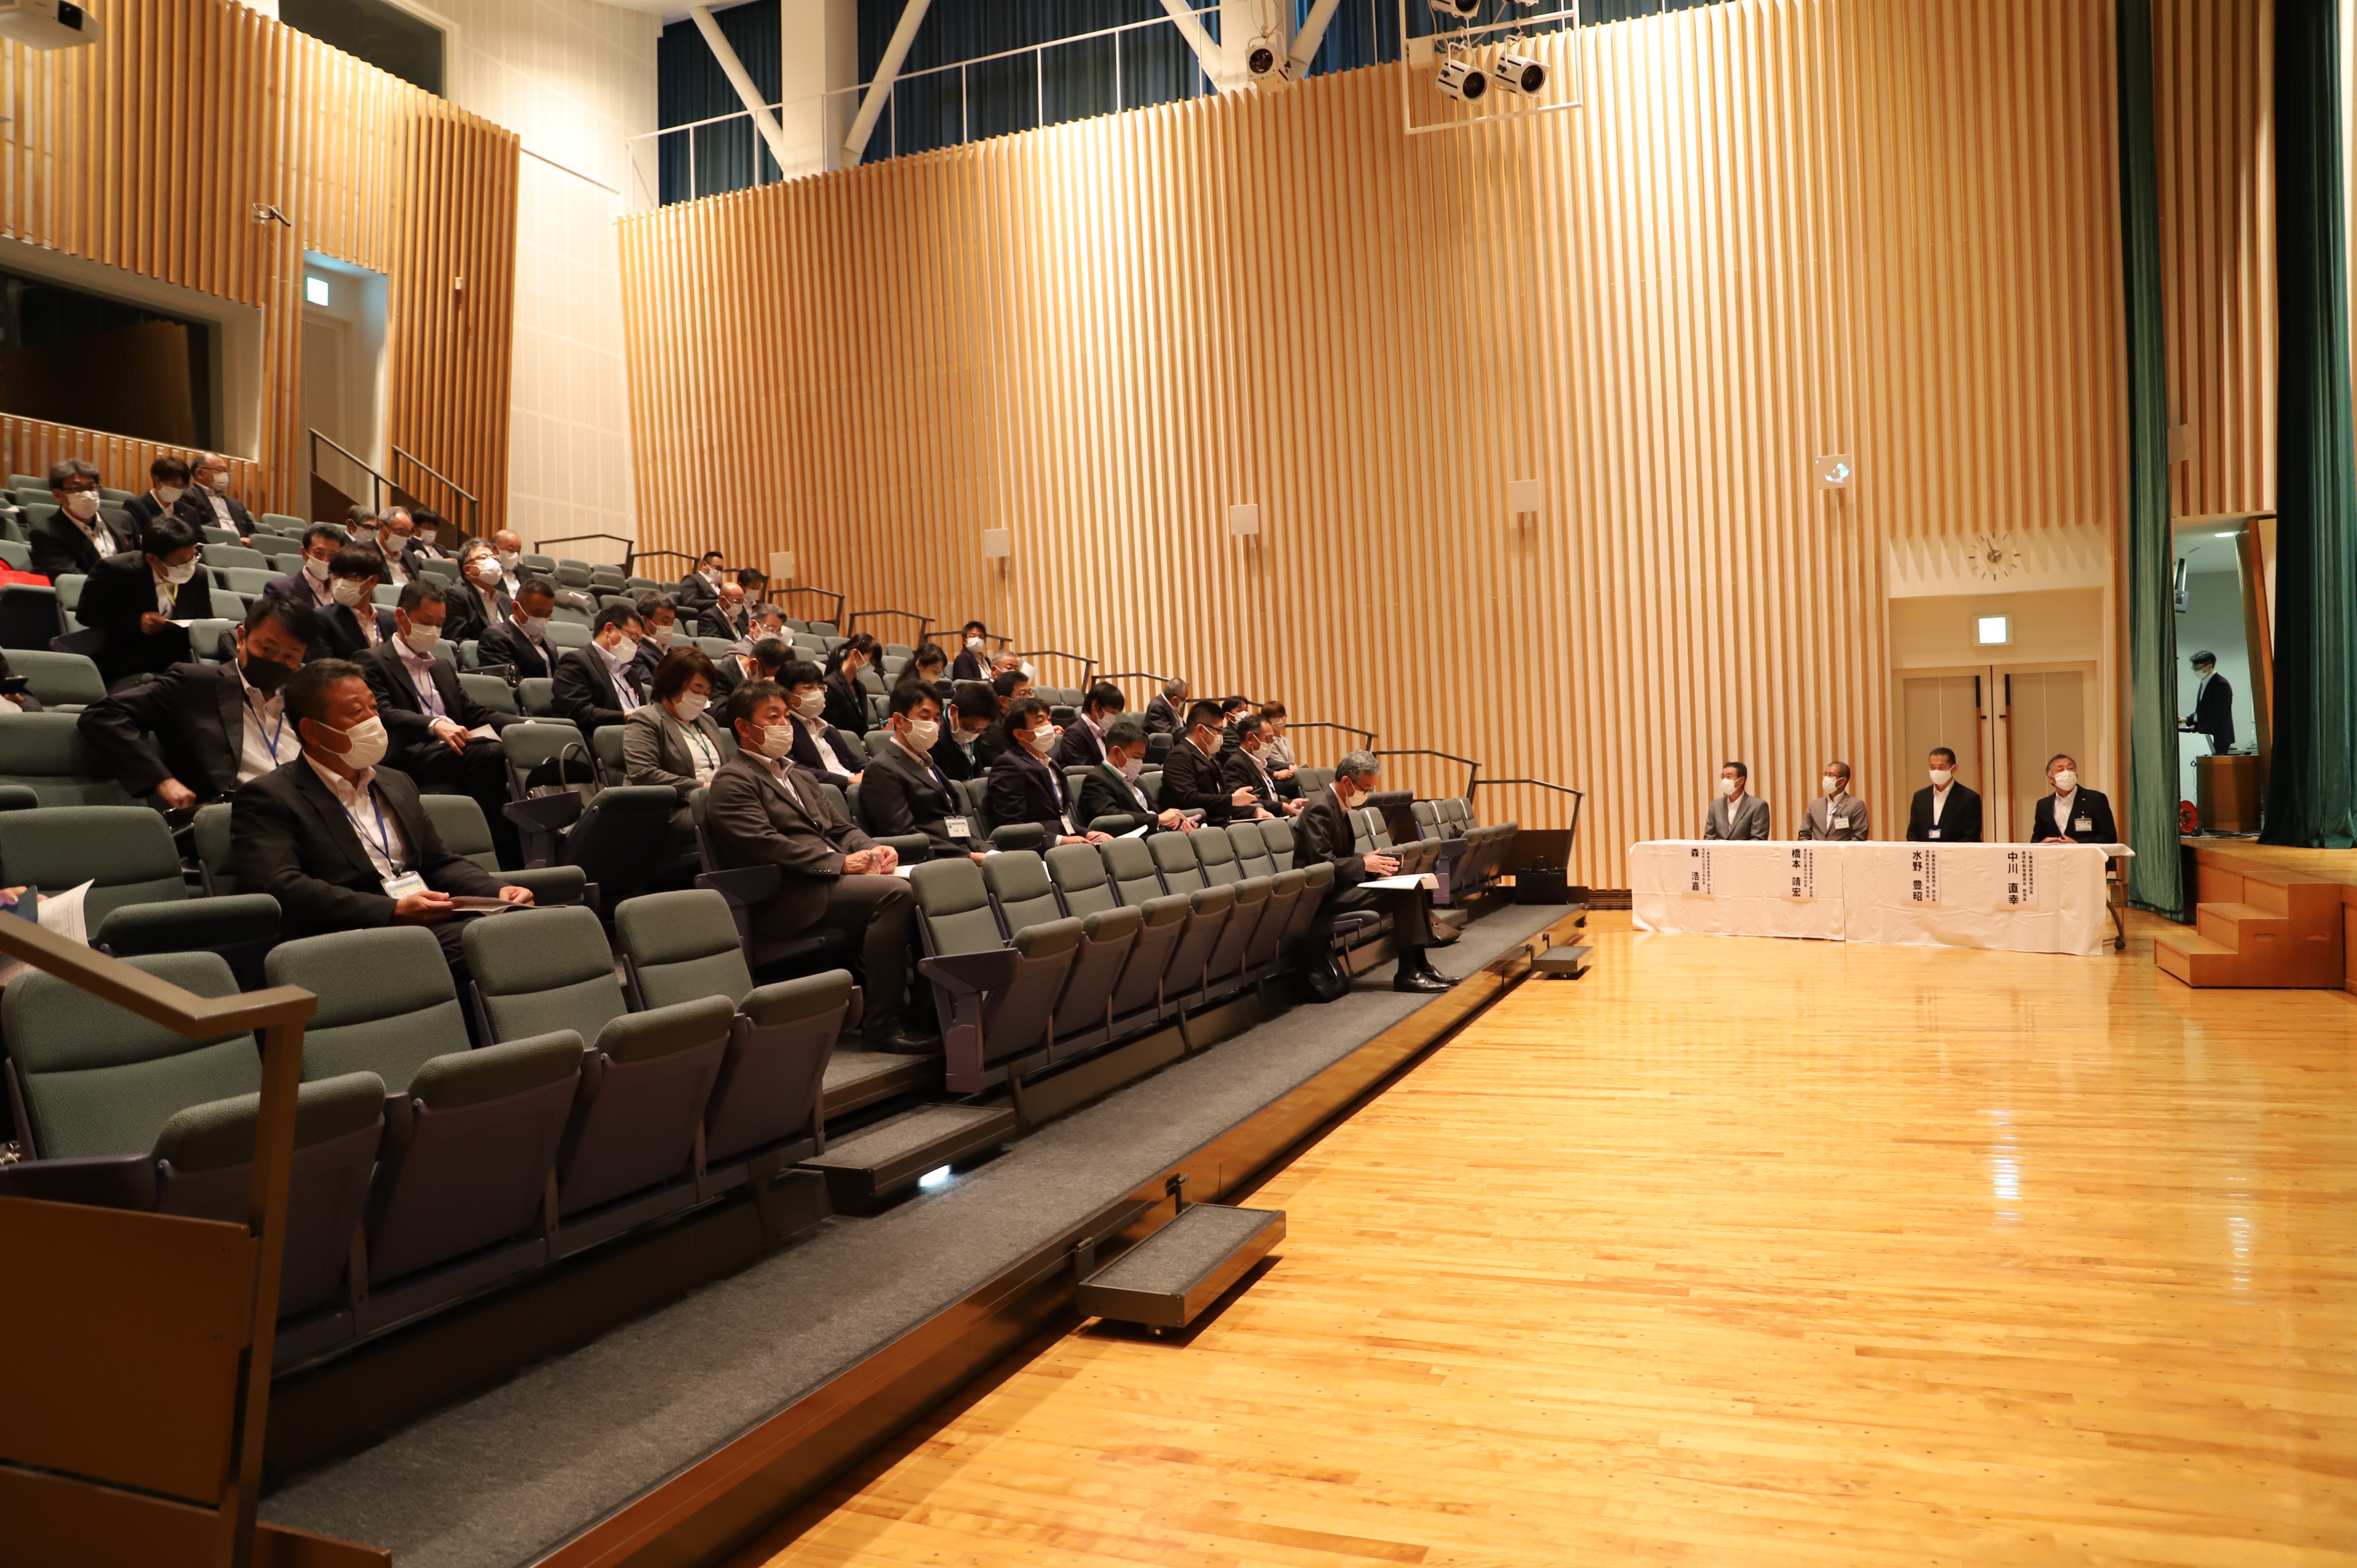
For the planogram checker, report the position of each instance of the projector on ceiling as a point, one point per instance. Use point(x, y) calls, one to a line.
point(48, 24)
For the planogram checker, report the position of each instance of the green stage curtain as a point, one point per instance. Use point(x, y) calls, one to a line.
point(2312, 781)
point(2156, 877)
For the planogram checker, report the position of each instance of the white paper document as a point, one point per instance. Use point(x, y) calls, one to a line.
point(1139, 832)
point(62, 913)
point(1423, 879)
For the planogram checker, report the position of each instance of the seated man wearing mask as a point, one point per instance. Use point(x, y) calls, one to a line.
point(167, 481)
point(521, 642)
point(476, 601)
point(507, 549)
point(1165, 714)
point(1945, 812)
point(207, 502)
point(1111, 789)
point(432, 539)
point(353, 624)
point(1277, 753)
point(1246, 767)
point(972, 712)
point(837, 884)
point(2071, 814)
point(1191, 771)
point(974, 653)
point(902, 792)
point(1735, 815)
point(135, 599)
point(342, 844)
point(394, 530)
point(761, 661)
point(1007, 688)
point(673, 743)
point(725, 617)
point(310, 582)
point(1325, 833)
point(1026, 786)
point(1083, 743)
point(437, 731)
point(659, 612)
point(817, 744)
point(81, 534)
point(1836, 815)
point(593, 688)
point(215, 727)
point(701, 587)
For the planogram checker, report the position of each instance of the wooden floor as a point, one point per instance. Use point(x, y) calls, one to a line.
point(2332, 865)
point(1738, 1251)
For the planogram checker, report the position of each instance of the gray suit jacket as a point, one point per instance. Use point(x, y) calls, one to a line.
point(655, 751)
point(757, 817)
point(1817, 822)
point(1749, 819)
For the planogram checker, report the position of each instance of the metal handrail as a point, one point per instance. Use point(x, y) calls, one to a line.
point(1292, 724)
point(363, 463)
point(1579, 797)
point(630, 546)
point(1088, 675)
point(1138, 675)
point(474, 506)
point(1472, 779)
point(923, 622)
point(836, 618)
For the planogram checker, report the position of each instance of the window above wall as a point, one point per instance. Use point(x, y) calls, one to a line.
point(401, 40)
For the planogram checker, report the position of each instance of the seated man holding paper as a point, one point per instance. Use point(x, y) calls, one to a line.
point(1111, 787)
point(440, 737)
point(139, 602)
point(1325, 825)
point(342, 843)
point(902, 791)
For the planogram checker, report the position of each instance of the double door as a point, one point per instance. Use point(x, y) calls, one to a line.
point(2003, 721)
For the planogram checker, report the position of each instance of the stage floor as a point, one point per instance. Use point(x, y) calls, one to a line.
point(1737, 1251)
point(2334, 865)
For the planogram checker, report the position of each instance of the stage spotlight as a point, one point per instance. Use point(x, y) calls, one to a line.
point(1457, 10)
point(1462, 79)
point(1270, 70)
point(1520, 73)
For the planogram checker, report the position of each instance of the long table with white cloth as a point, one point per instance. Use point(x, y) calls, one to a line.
point(2018, 897)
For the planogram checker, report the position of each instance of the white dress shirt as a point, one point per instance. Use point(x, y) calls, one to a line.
point(622, 689)
point(1940, 799)
point(268, 740)
point(817, 729)
point(223, 518)
point(421, 675)
point(378, 830)
point(699, 746)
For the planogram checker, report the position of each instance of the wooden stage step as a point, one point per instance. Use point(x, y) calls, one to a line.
point(2256, 925)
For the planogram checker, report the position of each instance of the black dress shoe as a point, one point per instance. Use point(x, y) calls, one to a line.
point(1425, 982)
point(902, 1041)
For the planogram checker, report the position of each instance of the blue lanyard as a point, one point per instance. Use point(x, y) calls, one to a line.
point(271, 738)
point(382, 843)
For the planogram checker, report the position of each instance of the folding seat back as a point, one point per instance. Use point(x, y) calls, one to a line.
point(460, 824)
point(569, 628)
point(680, 948)
point(45, 753)
point(251, 581)
point(209, 832)
point(1080, 874)
point(470, 1135)
point(445, 571)
point(218, 557)
point(1150, 784)
point(1254, 859)
point(532, 561)
point(139, 901)
point(836, 797)
point(606, 746)
point(1278, 835)
point(487, 691)
point(1428, 819)
point(63, 682)
point(1000, 992)
point(1020, 885)
point(1174, 856)
point(538, 693)
point(1215, 854)
point(1251, 846)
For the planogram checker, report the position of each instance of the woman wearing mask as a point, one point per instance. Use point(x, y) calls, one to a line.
point(929, 666)
point(673, 742)
point(846, 704)
point(478, 603)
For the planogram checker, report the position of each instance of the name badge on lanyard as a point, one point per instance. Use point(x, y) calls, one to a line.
point(956, 827)
point(2083, 825)
point(402, 885)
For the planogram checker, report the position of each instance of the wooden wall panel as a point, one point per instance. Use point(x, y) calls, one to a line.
point(1779, 229)
point(148, 152)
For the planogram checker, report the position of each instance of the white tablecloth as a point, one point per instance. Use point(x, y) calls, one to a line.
point(2017, 897)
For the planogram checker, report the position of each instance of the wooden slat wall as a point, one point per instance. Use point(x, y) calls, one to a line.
point(1779, 229)
point(2213, 110)
point(148, 152)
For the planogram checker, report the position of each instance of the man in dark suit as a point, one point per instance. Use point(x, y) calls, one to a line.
point(762, 809)
point(84, 530)
point(2213, 705)
point(215, 727)
point(1190, 772)
point(973, 710)
point(659, 612)
point(438, 732)
point(522, 642)
point(701, 587)
point(341, 843)
point(765, 661)
point(1325, 826)
point(436, 537)
point(132, 600)
point(476, 601)
point(901, 792)
point(1083, 742)
point(974, 653)
point(591, 688)
point(1164, 714)
point(353, 624)
point(2071, 814)
point(1246, 769)
point(1007, 688)
point(725, 617)
point(207, 502)
point(1945, 812)
point(1026, 786)
point(167, 481)
point(1110, 790)
point(311, 583)
point(818, 746)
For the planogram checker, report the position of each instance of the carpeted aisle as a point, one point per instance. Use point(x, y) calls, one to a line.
point(500, 1478)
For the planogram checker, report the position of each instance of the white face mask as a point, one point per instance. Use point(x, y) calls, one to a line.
point(364, 745)
point(625, 648)
point(485, 571)
point(973, 646)
point(688, 707)
point(1831, 785)
point(1940, 777)
point(168, 494)
point(185, 571)
point(212, 481)
point(507, 559)
point(81, 505)
point(1728, 786)
point(662, 635)
point(422, 639)
point(1133, 767)
point(349, 592)
point(810, 704)
point(777, 740)
point(315, 568)
point(2065, 781)
point(425, 536)
point(532, 625)
point(1039, 740)
point(923, 732)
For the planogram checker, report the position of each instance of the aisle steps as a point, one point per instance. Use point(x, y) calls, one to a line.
point(2261, 927)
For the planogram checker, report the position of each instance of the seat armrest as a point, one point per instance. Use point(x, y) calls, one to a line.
point(913, 848)
point(973, 973)
point(745, 886)
point(551, 884)
point(106, 1181)
point(188, 924)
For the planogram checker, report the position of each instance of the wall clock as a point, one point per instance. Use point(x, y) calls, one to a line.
point(1993, 557)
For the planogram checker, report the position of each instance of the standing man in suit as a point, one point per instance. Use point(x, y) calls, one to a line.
point(134, 598)
point(1191, 771)
point(1246, 767)
point(1326, 834)
point(1026, 786)
point(836, 883)
point(1836, 815)
point(353, 624)
point(974, 709)
point(902, 791)
point(1083, 743)
point(1945, 812)
point(522, 641)
point(700, 589)
point(1111, 787)
point(592, 689)
point(81, 534)
point(2213, 705)
point(215, 727)
point(207, 503)
point(1736, 814)
point(2071, 814)
point(974, 653)
point(1162, 714)
point(819, 746)
point(433, 725)
point(167, 481)
point(343, 844)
